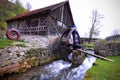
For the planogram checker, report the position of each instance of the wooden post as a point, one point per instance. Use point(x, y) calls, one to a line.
point(55, 27)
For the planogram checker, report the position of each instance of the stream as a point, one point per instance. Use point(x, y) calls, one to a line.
point(57, 70)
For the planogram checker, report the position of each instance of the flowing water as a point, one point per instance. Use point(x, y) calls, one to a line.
point(57, 70)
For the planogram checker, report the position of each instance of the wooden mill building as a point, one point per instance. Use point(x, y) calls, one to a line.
point(50, 20)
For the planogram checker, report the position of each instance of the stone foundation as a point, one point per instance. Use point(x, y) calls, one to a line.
point(37, 51)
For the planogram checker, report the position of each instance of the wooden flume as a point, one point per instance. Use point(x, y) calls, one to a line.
point(95, 55)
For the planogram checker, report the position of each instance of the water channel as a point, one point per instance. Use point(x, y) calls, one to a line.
point(57, 70)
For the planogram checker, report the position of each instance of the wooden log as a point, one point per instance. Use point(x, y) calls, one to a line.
point(14, 68)
point(9, 68)
point(97, 56)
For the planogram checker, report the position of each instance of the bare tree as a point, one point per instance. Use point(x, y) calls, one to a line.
point(116, 32)
point(94, 30)
point(29, 6)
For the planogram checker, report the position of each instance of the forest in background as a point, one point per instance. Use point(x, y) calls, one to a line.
point(9, 10)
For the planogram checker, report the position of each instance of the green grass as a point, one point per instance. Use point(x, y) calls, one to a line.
point(89, 45)
point(21, 45)
point(5, 42)
point(105, 70)
point(20, 41)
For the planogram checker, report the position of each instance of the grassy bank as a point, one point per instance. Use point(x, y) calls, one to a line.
point(105, 70)
point(5, 42)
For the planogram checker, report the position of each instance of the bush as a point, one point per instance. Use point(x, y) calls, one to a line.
point(3, 25)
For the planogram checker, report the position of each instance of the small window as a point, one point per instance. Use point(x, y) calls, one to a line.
point(60, 24)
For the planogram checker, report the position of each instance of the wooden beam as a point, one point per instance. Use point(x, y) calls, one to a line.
point(97, 56)
point(14, 68)
point(54, 27)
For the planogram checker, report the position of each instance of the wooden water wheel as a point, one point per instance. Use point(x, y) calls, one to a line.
point(70, 40)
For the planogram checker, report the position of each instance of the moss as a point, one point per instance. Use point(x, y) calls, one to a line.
point(37, 57)
point(32, 61)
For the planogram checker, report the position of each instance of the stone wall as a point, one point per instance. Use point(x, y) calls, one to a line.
point(100, 49)
point(113, 44)
point(39, 41)
point(37, 51)
point(113, 48)
point(15, 59)
point(107, 49)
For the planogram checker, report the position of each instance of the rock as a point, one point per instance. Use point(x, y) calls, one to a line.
point(22, 53)
point(77, 58)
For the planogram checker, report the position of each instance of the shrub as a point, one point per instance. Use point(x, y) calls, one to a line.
point(3, 25)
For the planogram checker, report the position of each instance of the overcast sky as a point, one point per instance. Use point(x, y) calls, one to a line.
point(82, 9)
